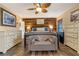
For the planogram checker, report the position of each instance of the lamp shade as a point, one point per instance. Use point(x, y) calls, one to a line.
point(51, 26)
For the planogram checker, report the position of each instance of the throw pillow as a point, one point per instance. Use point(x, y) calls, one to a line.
point(36, 40)
point(47, 39)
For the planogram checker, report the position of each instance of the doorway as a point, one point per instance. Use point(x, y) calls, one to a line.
point(60, 31)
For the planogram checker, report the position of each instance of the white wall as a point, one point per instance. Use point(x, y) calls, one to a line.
point(7, 27)
point(22, 27)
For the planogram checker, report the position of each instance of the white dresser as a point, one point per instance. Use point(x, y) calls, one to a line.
point(71, 35)
point(9, 39)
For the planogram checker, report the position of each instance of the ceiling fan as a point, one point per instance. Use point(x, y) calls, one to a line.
point(40, 7)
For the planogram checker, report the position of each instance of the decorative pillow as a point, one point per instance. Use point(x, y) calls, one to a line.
point(47, 39)
point(35, 40)
point(50, 39)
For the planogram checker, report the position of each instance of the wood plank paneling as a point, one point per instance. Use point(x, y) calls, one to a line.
point(47, 22)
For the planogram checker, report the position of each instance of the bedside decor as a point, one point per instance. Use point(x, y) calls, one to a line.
point(51, 28)
point(8, 19)
point(75, 15)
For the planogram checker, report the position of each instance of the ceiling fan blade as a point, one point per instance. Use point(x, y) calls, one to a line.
point(36, 4)
point(40, 5)
point(31, 8)
point(46, 5)
point(44, 10)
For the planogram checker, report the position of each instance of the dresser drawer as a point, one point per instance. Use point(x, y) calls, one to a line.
point(68, 38)
point(72, 35)
point(72, 45)
point(9, 45)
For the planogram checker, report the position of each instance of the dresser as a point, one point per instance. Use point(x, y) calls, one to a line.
point(71, 35)
point(8, 39)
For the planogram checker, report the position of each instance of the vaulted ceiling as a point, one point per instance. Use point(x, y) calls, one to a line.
point(54, 10)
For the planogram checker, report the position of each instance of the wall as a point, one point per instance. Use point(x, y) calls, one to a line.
point(72, 27)
point(5, 28)
point(47, 21)
point(19, 23)
point(66, 16)
point(22, 27)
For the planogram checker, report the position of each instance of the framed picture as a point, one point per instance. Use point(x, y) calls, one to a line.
point(8, 19)
point(40, 21)
point(75, 15)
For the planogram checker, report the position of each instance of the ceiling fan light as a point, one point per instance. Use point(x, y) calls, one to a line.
point(38, 9)
point(38, 5)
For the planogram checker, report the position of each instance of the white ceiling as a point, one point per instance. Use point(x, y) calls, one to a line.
point(54, 10)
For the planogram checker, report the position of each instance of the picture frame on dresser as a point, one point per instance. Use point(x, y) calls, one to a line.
point(7, 18)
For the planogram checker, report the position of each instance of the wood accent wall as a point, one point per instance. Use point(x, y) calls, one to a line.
point(47, 21)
